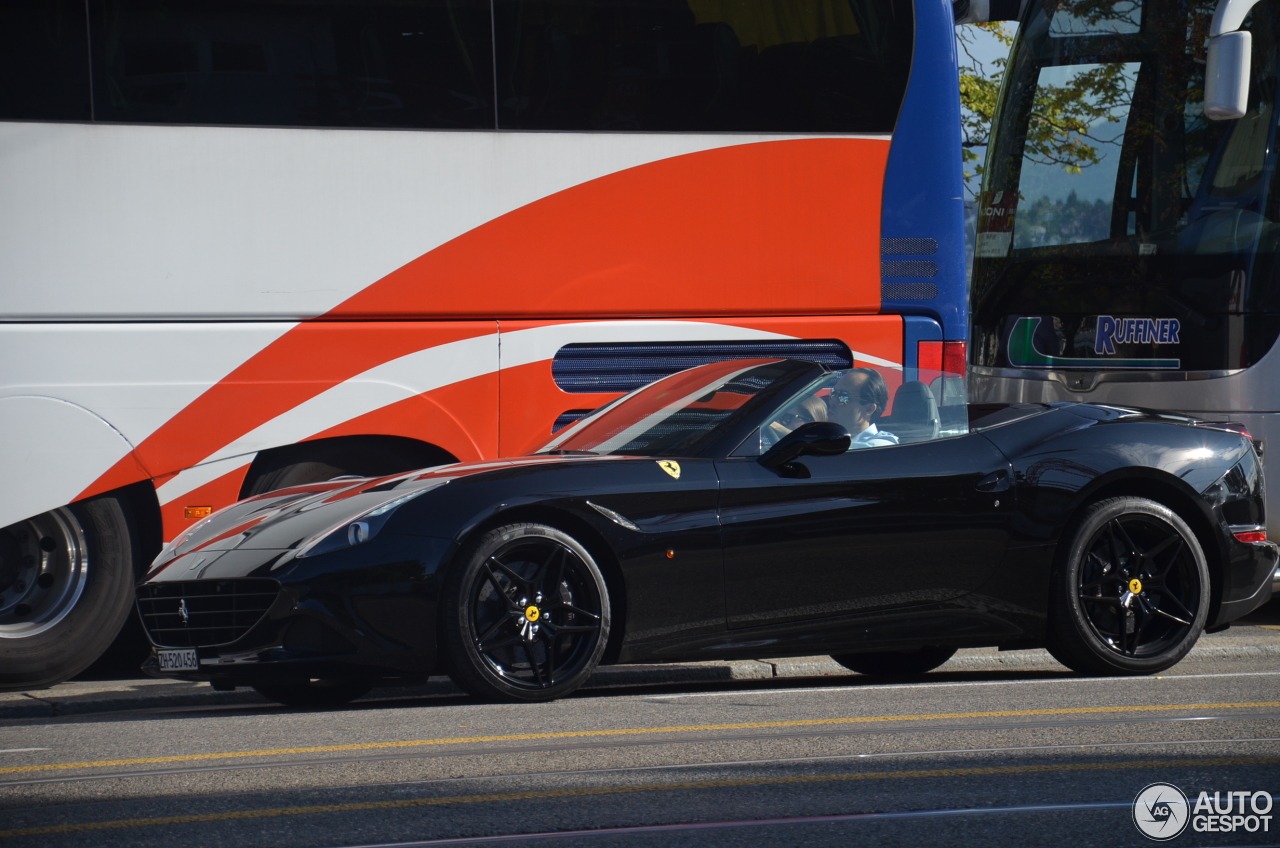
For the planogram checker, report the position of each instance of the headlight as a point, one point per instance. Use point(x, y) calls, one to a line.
point(362, 528)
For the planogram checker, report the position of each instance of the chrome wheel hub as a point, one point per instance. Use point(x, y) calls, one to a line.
point(44, 564)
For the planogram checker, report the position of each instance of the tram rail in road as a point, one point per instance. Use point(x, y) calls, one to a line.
point(962, 759)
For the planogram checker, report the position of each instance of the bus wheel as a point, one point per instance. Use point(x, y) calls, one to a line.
point(1130, 593)
point(298, 474)
point(66, 588)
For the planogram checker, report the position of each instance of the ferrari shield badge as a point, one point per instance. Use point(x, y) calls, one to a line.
point(670, 466)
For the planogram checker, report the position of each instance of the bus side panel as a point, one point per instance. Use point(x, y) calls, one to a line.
point(531, 401)
point(924, 184)
point(744, 229)
point(461, 418)
point(310, 380)
point(75, 399)
point(116, 222)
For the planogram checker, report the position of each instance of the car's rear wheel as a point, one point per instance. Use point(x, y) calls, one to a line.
point(895, 663)
point(315, 693)
point(1130, 592)
point(66, 588)
point(525, 614)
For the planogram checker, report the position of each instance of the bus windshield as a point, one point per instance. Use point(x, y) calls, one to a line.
point(1158, 251)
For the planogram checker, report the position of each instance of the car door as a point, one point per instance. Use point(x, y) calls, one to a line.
point(868, 529)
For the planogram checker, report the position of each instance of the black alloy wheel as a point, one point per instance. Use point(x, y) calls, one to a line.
point(896, 663)
point(525, 615)
point(1131, 593)
point(314, 693)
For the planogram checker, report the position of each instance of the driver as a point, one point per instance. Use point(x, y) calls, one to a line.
point(857, 401)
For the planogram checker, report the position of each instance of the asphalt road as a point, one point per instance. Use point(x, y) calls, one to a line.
point(956, 758)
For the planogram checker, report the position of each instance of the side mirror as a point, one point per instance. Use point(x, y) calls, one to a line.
point(1226, 76)
point(817, 438)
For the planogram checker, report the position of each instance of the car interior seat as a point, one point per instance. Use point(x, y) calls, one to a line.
point(915, 414)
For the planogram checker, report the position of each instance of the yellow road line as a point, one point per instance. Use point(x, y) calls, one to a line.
point(362, 806)
point(625, 731)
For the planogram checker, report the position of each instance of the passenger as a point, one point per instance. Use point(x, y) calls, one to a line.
point(857, 402)
point(798, 414)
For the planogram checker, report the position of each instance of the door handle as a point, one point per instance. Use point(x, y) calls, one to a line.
point(996, 481)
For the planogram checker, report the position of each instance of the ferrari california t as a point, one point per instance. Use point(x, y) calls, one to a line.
point(742, 509)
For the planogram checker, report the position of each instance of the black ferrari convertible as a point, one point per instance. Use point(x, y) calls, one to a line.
point(743, 509)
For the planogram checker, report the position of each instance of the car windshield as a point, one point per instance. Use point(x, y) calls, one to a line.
point(879, 406)
point(682, 413)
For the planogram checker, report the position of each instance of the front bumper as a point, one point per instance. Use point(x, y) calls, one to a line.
point(365, 612)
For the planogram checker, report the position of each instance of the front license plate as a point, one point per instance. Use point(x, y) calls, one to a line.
point(184, 660)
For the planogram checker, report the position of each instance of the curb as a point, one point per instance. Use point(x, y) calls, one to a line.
point(70, 699)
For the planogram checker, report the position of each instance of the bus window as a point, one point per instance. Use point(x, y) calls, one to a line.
point(702, 65)
point(1079, 218)
point(421, 64)
point(1173, 218)
point(44, 61)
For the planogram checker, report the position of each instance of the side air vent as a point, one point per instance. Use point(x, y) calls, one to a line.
point(908, 291)
point(605, 367)
point(203, 613)
point(908, 268)
point(908, 246)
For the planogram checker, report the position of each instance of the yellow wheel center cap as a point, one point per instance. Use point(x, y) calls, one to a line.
point(533, 613)
point(1135, 585)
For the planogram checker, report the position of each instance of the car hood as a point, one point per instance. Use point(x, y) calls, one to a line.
point(285, 519)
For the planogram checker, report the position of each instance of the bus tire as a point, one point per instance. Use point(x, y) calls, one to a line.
point(298, 474)
point(325, 459)
point(66, 589)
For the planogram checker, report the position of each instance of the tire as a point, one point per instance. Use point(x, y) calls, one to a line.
point(324, 459)
point(315, 693)
point(896, 663)
point(1098, 623)
point(66, 589)
point(298, 474)
point(524, 615)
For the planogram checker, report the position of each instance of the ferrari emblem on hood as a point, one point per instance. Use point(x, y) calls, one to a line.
point(670, 466)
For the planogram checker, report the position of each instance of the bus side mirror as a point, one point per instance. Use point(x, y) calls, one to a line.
point(1226, 76)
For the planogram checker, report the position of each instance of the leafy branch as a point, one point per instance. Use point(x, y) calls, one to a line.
point(1063, 129)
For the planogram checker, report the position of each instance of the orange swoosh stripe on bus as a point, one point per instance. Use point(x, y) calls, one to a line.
point(782, 226)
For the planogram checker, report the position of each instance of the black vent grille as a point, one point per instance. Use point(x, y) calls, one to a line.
point(908, 268)
point(908, 246)
point(217, 611)
point(908, 291)
point(583, 368)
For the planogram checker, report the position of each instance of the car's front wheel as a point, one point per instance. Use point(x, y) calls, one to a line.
point(896, 663)
point(1130, 592)
point(525, 614)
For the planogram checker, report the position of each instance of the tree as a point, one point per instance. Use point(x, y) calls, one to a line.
point(979, 91)
point(1065, 118)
